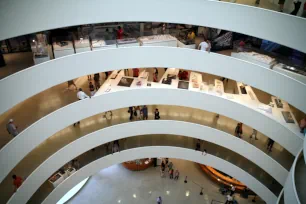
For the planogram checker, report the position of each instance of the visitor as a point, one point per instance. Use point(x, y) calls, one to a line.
point(204, 46)
point(89, 77)
point(171, 173)
point(281, 5)
point(191, 36)
point(155, 75)
point(130, 111)
point(144, 112)
point(297, 6)
point(156, 114)
point(12, 128)
point(97, 80)
point(170, 165)
point(229, 199)
point(176, 175)
point(254, 134)
point(162, 172)
point(238, 130)
point(17, 182)
point(241, 46)
point(135, 72)
point(159, 200)
point(167, 161)
point(257, 2)
point(163, 165)
point(91, 89)
point(198, 145)
point(303, 125)
point(76, 164)
point(204, 152)
point(71, 82)
point(116, 147)
point(107, 35)
point(233, 190)
point(138, 114)
point(81, 95)
point(270, 145)
point(183, 75)
point(119, 33)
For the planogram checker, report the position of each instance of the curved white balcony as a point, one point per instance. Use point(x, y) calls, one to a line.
point(19, 18)
point(153, 127)
point(63, 117)
point(66, 68)
point(39, 176)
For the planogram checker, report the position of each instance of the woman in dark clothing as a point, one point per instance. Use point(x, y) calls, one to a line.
point(97, 80)
point(156, 113)
point(297, 6)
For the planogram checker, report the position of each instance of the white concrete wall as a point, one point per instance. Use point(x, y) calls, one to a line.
point(21, 85)
point(56, 121)
point(280, 197)
point(150, 127)
point(290, 193)
point(22, 17)
point(170, 152)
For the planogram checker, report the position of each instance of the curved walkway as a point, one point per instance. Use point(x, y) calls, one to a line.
point(95, 123)
point(205, 13)
point(37, 133)
point(63, 69)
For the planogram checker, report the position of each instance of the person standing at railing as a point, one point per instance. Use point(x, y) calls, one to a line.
point(144, 111)
point(238, 130)
point(156, 114)
point(81, 95)
point(12, 128)
point(205, 46)
point(281, 5)
point(17, 182)
point(270, 145)
point(120, 33)
point(297, 6)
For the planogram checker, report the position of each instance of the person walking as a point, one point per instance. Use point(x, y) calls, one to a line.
point(270, 145)
point(254, 134)
point(91, 89)
point(170, 166)
point(176, 175)
point(238, 130)
point(204, 46)
point(302, 125)
point(281, 5)
point(81, 95)
point(12, 128)
point(229, 199)
point(198, 145)
point(116, 147)
point(233, 190)
point(159, 200)
point(144, 111)
point(171, 173)
point(156, 114)
point(120, 33)
point(131, 112)
point(17, 182)
point(138, 112)
point(97, 80)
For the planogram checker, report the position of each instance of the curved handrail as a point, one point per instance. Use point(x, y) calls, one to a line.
point(280, 197)
point(113, 100)
point(290, 186)
point(266, 24)
point(63, 69)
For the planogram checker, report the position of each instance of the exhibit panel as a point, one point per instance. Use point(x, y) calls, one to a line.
point(71, 67)
point(162, 151)
point(166, 96)
point(204, 14)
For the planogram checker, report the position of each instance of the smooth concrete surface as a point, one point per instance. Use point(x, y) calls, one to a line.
point(290, 190)
point(116, 184)
point(163, 151)
point(54, 122)
point(18, 18)
point(94, 123)
point(151, 127)
point(300, 178)
point(280, 198)
point(61, 70)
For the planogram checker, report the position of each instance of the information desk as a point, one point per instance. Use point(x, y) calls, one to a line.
point(222, 178)
point(63, 48)
point(82, 45)
point(138, 165)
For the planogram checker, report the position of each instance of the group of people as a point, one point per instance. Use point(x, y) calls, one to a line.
point(141, 113)
point(167, 167)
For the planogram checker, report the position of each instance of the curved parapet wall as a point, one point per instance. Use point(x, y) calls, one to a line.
point(150, 127)
point(61, 70)
point(290, 193)
point(162, 151)
point(64, 117)
point(18, 18)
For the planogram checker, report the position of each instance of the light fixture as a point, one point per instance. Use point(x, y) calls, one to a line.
point(187, 193)
point(150, 192)
point(218, 179)
point(134, 195)
point(33, 40)
point(119, 201)
point(168, 192)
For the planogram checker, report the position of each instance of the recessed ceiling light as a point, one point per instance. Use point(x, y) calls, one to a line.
point(168, 192)
point(119, 201)
point(187, 193)
point(134, 195)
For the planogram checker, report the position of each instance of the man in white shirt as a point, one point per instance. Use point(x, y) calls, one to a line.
point(204, 46)
point(81, 95)
point(229, 199)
